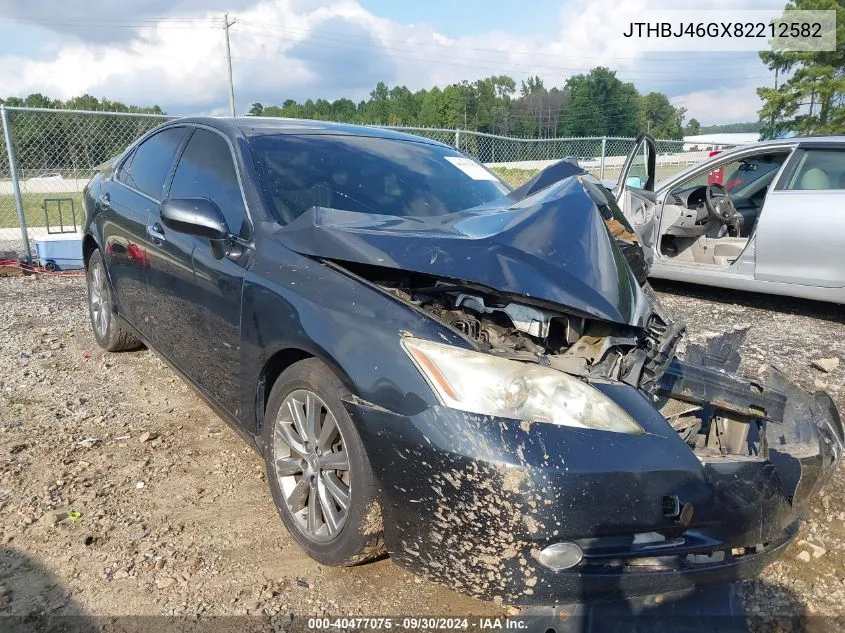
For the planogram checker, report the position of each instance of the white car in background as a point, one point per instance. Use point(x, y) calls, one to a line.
point(765, 217)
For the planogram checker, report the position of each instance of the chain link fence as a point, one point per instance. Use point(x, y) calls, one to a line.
point(55, 153)
point(51, 154)
point(517, 159)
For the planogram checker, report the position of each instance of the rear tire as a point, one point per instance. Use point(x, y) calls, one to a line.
point(319, 475)
point(109, 333)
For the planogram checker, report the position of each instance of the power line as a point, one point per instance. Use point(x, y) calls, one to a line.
point(373, 43)
point(519, 69)
point(403, 53)
point(458, 47)
point(88, 21)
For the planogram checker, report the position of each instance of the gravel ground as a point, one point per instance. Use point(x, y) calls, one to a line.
point(121, 492)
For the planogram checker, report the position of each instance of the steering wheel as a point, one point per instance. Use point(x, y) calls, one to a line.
point(721, 207)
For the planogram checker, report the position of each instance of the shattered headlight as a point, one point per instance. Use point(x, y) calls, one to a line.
point(484, 384)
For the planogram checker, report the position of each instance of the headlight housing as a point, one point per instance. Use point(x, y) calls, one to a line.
point(482, 383)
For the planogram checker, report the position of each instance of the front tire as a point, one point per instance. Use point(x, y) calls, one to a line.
point(319, 475)
point(109, 333)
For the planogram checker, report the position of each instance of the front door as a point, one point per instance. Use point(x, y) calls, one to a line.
point(799, 232)
point(198, 297)
point(634, 192)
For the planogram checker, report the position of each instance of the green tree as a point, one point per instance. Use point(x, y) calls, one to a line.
point(659, 117)
point(753, 126)
point(322, 110)
point(290, 109)
point(811, 99)
point(693, 127)
point(456, 113)
point(600, 105)
point(531, 85)
point(377, 109)
point(593, 104)
point(432, 112)
point(344, 110)
point(404, 107)
point(257, 109)
point(583, 116)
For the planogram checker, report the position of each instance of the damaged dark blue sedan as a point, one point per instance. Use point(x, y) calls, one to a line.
point(476, 380)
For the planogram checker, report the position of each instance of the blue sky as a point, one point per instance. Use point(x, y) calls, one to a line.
point(459, 17)
point(170, 52)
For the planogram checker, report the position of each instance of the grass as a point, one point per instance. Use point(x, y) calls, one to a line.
point(34, 210)
point(514, 177)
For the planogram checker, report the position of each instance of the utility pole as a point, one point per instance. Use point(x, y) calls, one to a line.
point(226, 25)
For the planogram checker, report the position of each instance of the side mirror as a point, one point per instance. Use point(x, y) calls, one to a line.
point(194, 216)
point(634, 181)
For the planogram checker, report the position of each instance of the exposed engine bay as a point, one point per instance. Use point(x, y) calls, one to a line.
point(718, 414)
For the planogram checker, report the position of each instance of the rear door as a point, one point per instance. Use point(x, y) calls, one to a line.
point(126, 202)
point(634, 192)
point(198, 297)
point(800, 230)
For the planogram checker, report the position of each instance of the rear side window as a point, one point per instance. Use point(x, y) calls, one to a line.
point(207, 170)
point(819, 169)
point(147, 167)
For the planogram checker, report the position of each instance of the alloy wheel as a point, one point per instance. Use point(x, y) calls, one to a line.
point(99, 300)
point(311, 465)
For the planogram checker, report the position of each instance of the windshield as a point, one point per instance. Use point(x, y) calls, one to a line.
point(368, 175)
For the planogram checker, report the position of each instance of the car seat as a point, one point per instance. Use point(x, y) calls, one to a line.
point(815, 178)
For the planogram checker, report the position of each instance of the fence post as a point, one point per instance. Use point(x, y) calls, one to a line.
point(458, 139)
point(603, 154)
point(16, 185)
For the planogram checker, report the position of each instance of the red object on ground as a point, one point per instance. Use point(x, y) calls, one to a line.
point(32, 268)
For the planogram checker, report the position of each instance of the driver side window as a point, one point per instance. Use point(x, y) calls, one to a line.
point(207, 170)
point(638, 174)
point(746, 177)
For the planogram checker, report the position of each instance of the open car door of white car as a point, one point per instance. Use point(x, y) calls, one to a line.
point(634, 192)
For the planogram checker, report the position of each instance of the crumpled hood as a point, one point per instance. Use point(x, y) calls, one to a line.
point(552, 246)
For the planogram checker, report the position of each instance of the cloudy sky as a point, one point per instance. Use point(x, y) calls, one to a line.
point(172, 52)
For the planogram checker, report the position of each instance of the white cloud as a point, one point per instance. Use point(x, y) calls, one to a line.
point(731, 105)
point(298, 49)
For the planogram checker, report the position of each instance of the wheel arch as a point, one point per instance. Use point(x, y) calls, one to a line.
point(89, 245)
point(275, 365)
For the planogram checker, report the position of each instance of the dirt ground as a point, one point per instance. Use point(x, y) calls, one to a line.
point(121, 492)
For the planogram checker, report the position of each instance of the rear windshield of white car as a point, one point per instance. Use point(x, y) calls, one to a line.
point(368, 175)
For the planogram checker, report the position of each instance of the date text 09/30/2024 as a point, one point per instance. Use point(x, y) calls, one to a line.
point(418, 623)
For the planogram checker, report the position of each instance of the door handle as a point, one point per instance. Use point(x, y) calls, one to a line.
point(104, 199)
point(156, 232)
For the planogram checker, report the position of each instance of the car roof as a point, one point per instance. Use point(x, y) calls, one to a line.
point(793, 140)
point(253, 126)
